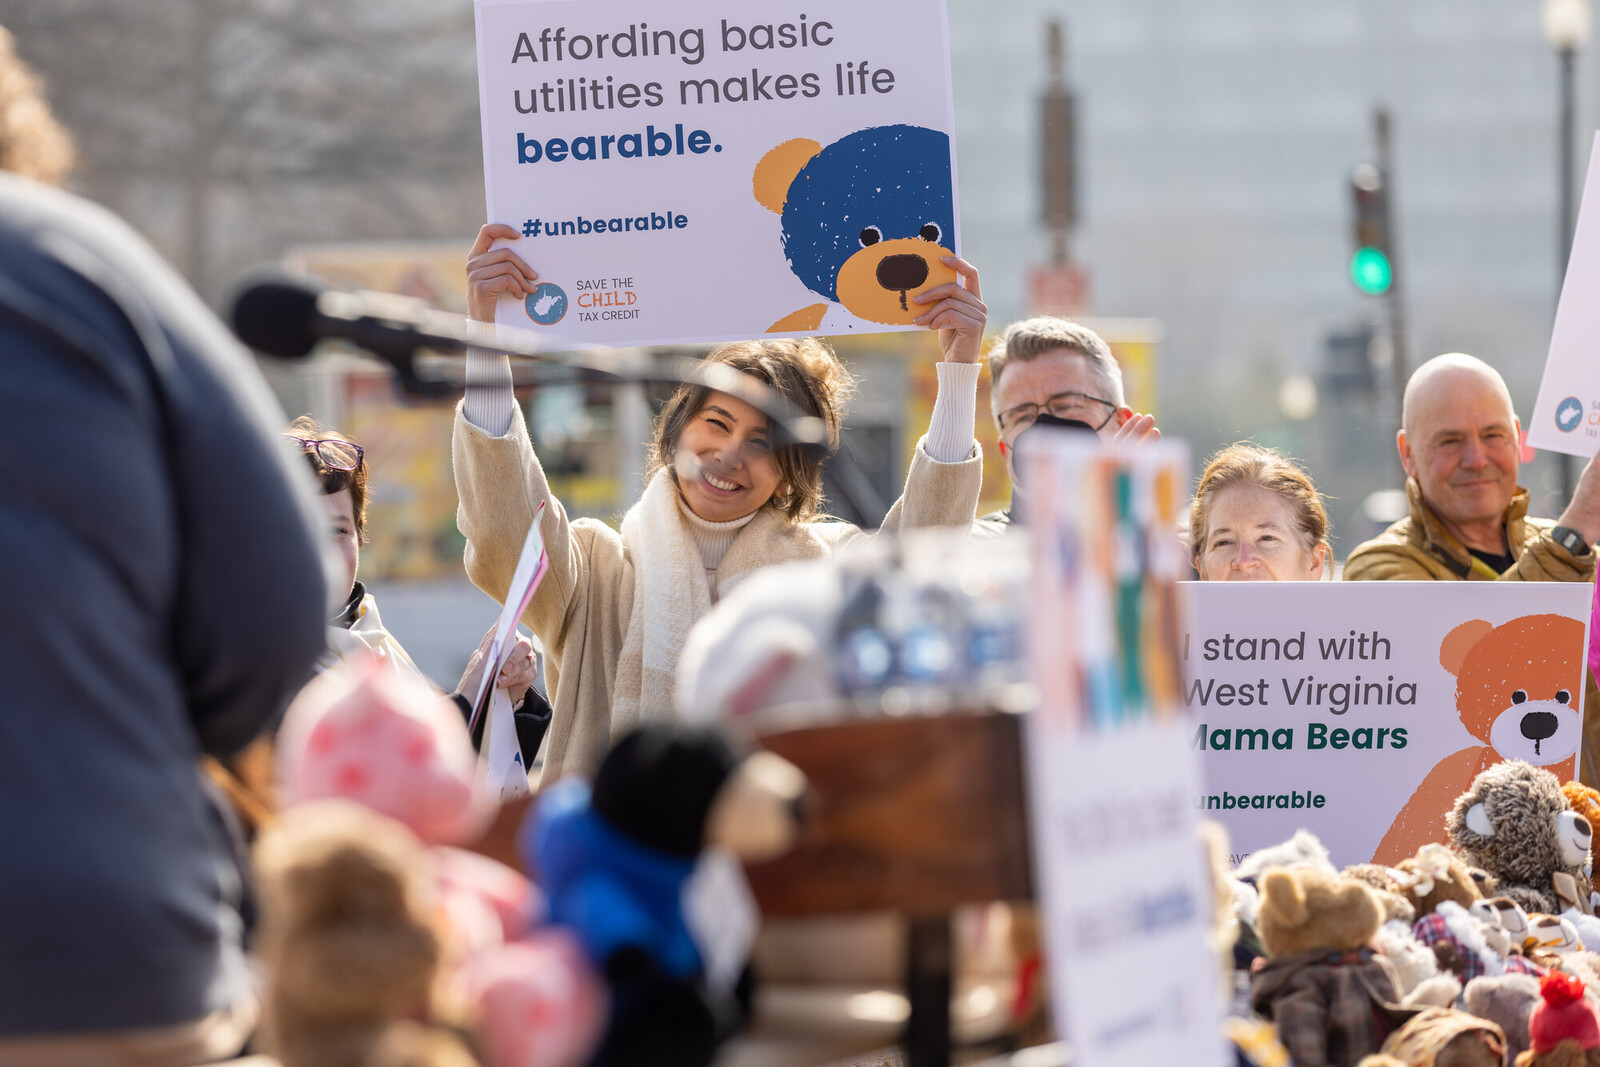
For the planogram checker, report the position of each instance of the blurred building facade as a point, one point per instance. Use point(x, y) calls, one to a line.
point(1214, 144)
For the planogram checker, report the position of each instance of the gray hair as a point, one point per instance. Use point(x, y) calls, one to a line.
point(1031, 338)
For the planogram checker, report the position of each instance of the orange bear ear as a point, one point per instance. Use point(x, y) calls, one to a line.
point(777, 171)
point(1458, 642)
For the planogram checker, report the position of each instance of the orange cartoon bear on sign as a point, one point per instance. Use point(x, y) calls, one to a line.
point(1517, 691)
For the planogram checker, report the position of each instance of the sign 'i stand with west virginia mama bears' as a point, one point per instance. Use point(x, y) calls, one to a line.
point(718, 170)
point(1361, 710)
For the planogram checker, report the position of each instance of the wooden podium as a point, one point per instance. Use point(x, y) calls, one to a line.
point(916, 814)
point(913, 814)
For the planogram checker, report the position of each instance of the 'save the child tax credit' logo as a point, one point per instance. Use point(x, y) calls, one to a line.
point(546, 305)
point(1569, 413)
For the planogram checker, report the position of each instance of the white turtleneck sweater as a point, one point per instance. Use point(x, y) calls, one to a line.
point(712, 539)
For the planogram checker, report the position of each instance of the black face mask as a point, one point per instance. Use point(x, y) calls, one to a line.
point(1046, 419)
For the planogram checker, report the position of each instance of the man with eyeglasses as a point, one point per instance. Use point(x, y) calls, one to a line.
point(1460, 443)
point(1049, 371)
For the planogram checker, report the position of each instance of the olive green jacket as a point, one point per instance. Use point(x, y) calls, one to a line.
point(1418, 548)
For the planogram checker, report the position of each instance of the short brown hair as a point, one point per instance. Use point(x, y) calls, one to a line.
point(1265, 468)
point(333, 481)
point(806, 374)
point(1032, 338)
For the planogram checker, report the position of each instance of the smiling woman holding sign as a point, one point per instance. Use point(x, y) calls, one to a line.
point(721, 501)
point(1257, 517)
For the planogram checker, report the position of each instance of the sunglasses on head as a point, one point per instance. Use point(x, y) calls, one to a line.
point(331, 453)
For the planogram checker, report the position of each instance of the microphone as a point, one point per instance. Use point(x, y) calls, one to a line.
point(285, 316)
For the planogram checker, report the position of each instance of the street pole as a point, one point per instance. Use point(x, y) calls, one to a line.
point(1058, 141)
point(1394, 297)
point(1566, 136)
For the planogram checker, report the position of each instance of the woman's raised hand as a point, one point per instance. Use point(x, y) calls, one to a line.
point(492, 271)
point(958, 313)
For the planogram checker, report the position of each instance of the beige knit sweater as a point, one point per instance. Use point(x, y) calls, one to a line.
point(585, 607)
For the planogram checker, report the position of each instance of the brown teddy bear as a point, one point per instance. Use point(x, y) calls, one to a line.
point(1515, 823)
point(1331, 997)
point(349, 942)
point(1444, 1037)
point(1585, 802)
point(1388, 887)
point(1517, 686)
point(1414, 887)
point(1435, 874)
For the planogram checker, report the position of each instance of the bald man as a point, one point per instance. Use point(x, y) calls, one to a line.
point(1459, 443)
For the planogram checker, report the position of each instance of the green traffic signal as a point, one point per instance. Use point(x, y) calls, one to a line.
point(1371, 272)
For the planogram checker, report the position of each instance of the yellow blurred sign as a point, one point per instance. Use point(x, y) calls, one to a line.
point(435, 271)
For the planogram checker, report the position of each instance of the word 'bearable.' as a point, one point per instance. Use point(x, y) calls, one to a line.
point(652, 142)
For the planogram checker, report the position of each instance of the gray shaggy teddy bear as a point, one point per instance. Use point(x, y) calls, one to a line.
point(1515, 823)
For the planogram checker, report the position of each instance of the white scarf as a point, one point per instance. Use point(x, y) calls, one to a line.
point(367, 634)
point(672, 592)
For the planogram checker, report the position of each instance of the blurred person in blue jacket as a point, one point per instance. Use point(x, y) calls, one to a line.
point(164, 598)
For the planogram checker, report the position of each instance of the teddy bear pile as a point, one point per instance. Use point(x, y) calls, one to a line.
point(1481, 949)
point(382, 943)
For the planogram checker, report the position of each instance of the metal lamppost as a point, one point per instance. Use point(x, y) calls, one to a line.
point(1566, 26)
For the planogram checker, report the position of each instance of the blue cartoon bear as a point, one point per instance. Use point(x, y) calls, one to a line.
point(866, 220)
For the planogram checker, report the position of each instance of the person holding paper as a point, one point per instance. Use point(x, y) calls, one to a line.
point(1257, 517)
point(1053, 369)
point(1459, 442)
point(720, 502)
point(340, 466)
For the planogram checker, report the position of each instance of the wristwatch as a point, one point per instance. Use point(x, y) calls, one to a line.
point(1571, 540)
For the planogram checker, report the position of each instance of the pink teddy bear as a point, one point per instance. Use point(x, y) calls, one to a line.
point(368, 735)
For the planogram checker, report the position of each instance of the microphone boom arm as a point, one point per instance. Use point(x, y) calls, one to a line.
point(398, 329)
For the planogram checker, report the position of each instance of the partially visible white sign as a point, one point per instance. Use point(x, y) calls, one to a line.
point(504, 765)
point(1566, 417)
point(1123, 887)
point(507, 771)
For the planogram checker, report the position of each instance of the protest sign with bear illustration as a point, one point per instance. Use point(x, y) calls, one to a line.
point(1361, 710)
point(865, 220)
point(714, 171)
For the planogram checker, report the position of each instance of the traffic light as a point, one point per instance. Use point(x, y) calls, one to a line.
point(1371, 267)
